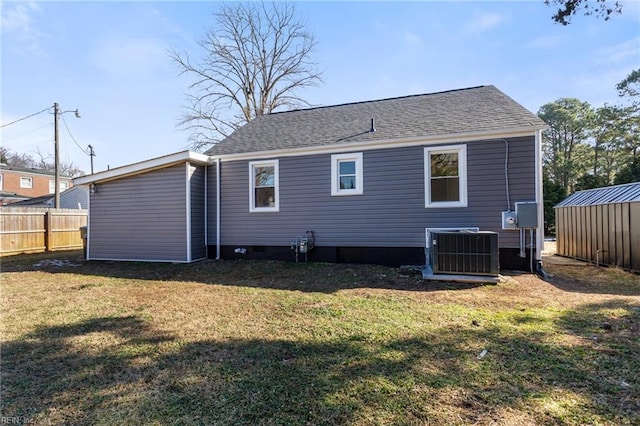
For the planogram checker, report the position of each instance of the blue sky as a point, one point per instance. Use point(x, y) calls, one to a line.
point(110, 60)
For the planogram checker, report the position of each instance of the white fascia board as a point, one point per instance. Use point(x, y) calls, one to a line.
point(144, 166)
point(381, 144)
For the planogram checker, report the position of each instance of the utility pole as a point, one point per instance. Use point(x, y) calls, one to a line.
point(92, 154)
point(56, 113)
point(56, 138)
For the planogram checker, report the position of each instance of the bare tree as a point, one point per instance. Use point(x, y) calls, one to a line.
point(44, 162)
point(255, 60)
point(13, 159)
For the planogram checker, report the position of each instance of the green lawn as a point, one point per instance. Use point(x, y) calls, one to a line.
point(282, 343)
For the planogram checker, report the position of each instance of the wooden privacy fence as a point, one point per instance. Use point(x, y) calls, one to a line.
point(32, 229)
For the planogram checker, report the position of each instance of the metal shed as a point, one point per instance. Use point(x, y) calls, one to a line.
point(601, 225)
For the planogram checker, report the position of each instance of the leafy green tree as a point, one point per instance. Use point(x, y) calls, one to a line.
point(589, 181)
point(3, 155)
point(629, 127)
point(565, 145)
point(629, 173)
point(586, 148)
point(600, 8)
point(630, 87)
point(553, 194)
point(611, 136)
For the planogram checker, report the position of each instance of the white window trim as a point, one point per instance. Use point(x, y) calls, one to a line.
point(64, 185)
point(335, 171)
point(461, 150)
point(1, 181)
point(29, 179)
point(276, 181)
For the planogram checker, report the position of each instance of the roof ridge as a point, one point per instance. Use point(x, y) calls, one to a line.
point(10, 167)
point(379, 100)
point(621, 193)
point(606, 187)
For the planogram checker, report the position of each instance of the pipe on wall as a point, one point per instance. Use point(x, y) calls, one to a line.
point(539, 199)
point(217, 208)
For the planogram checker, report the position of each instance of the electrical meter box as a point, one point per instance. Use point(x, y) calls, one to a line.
point(527, 214)
point(509, 219)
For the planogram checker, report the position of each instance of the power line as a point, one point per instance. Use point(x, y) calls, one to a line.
point(24, 118)
point(74, 139)
point(27, 133)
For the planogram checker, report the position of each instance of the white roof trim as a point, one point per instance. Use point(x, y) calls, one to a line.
point(144, 166)
point(380, 144)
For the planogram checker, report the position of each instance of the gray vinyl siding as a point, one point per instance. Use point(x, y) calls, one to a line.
point(142, 217)
point(212, 207)
point(74, 198)
point(198, 223)
point(390, 213)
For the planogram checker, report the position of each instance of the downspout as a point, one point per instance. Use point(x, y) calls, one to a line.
point(217, 208)
point(540, 201)
point(188, 203)
point(88, 236)
point(206, 210)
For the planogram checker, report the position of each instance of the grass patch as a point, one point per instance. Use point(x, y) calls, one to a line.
point(279, 343)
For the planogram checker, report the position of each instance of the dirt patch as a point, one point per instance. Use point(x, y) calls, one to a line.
point(56, 263)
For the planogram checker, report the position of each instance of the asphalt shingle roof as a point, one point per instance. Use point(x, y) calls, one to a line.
point(475, 109)
point(27, 170)
point(626, 193)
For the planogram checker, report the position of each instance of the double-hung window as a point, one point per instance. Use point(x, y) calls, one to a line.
point(264, 186)
point(346, 174)
point(26, 182)
point(446, 176)
point(52, 186)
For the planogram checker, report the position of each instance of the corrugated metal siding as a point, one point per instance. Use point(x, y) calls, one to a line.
point(142, 217)
point(391, 212)
point(608, 234)
point(198, 223)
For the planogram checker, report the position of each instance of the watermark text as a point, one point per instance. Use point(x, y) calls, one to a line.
point(16, 420)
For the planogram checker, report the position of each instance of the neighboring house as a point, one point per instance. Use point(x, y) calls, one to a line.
point(26, 182)
point(76, 197)
point(370, 179)
point(10, 197)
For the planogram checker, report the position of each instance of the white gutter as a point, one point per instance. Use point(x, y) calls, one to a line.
point(381, 144)
point(144, 166)
point(218, 209)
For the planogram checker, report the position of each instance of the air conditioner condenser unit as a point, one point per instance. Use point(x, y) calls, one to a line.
point(465, 253)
